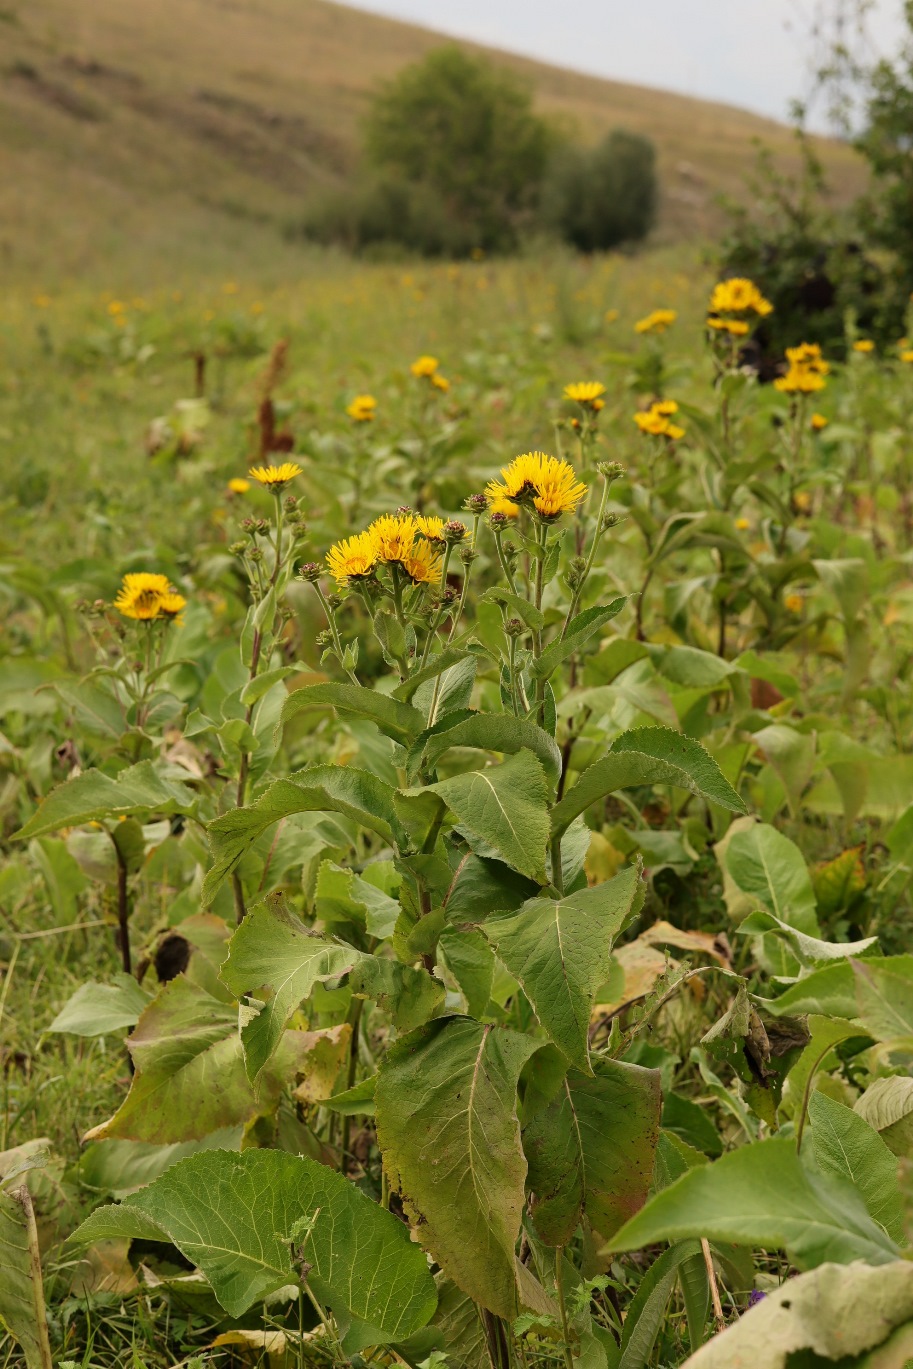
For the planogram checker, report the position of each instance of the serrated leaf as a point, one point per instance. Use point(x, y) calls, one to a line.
point(765, 865)
point(447, 1127)
point(233, 1216)
point(579, 632)
point(94, 796)
point(887, 1105)
point(591, 1151)
point(395, 718)
point(810, 951)
point(491, 732)
point(884, 995)
point(829, 992)
point(560, 950)
point(845, 1145)
point(444, 660)
point(762, 1195)
point(505, 805)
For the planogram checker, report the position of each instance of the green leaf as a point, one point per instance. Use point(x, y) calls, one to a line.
point(824, 1034)
point(453, 689)
point(810, 951)
point(647, 755)
point(843, 1144)
point(517, 607)
point(407, 995)
point(560, 950)
point(190, 1077)
point(447, 1127)
point(767, 866)
point(887, 1105)
point(505, 805)
point(491, 732)
point(591, 1151)
point(647, 1309)
point(884, 995)
point(21, 1299)
point(761, 1195)
point(579, 631)
point(96, 1009)
point(356, 794)
point(358, 1101)
point(235, 1217)
point(343, 896)
point(829, 992)
point(833, 1314)
point(398, 720)
point(443, 661)
point(94, 796)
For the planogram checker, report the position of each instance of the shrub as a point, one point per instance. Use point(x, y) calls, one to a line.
point(383, 215)
point(596, 198)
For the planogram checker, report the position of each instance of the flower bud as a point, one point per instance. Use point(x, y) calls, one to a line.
point(448, 597)
point(254, 554)
point(291, 503)
point(612, 470)
point(513, 627)
point(335, 600)
point(248, 524)
point(476, 503)
point(610, 520)
point(498, 521)
point(467, 555)
point(310, 571)
point(238, 548)
point(454, 531)
point(262, 526)
point(324, 638)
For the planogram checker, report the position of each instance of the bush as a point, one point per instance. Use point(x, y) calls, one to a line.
point(596, 198)
point(382, 215)
point(465, 132)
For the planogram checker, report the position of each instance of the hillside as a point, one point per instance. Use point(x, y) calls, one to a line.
point(196, 129)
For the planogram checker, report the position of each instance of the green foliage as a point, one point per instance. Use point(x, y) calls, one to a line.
point(598, 198)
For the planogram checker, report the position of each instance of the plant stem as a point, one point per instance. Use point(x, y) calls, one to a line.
point(597, 537)
point(24, 1199)
point(557, 872)
point(559, 1281)
point(714, 1289)
point(355, 1011)
point(436, 621)
point(334, 629)
point(123, 910)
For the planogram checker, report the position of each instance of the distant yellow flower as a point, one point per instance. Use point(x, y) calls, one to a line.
point(806, 372)
point(238, 485)
point(430, 526)
point(793, 603)
point(275, 477)
point(424, 367)
point(146, 595)
point(656, 421)
point(863, 344)
point(422, 564)
point(803, 501)
point(737, 327)
point(116, 307)
point(819, 422)
point(42, 301)
point(547, 482)
point(394, 534)
point(610, 315)
point(737, 296)
point(587, 393)
point(742, 524)
point(230, 288)
point(362, 408)
point(355, 558)
point(657, 322)
point(440, 382)
point(907, 356)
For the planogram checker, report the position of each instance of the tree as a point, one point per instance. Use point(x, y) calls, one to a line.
point(596, 198)
point(467, 131)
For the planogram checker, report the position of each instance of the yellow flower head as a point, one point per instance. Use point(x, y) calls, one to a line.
point(430, 526)
point(738, 295)
point(818, 422)
point(793, 603)
point(803, 501)
point(146, 595)
point(656, 421)
point(275, 477)
point(362, 408)
point(736, 327)
point(171, 604)
point(907, 356)
point(422, 564)
point(354, 558)
point(864, 345)
point(656, 322)
point(504, 506)
point(806, 371)
point(424, 367)
point(238, 485)
point(394, 534)
point(742, 524)
point(587, 393)
point(440, 382)
point(546, 482)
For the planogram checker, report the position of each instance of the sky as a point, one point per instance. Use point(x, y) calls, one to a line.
point(752, 53)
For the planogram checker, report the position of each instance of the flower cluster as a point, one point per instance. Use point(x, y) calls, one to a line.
point(405, 540)
point(657, 420)
point(739, 297)
point(544, 483)
point(148, 597)
point(806, 371)
point(362, 409)
point(275, 477)
point(428, 368)
point(587, 393)
point(657, 321)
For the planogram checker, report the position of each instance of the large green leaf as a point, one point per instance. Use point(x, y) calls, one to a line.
point(579, 631)
point(887, 1105)
point(94, 796)
point(237, 1216)
point(96, 1009)
point(810, 951)
point(505, 805)
point(447, 1127)
point(843, 1144)
point(767, 866)
point(21, 1298)
point(829, 992)
point(438, 665)
point(358, 795)
point(590, 1152)
point(561, 950)
point(884, 995)
point(647, 755)
point(646, 1311)
point(499, 732)
point(762, 1195)
point(396, 719)
point(835, 1313)
point(190, 1078)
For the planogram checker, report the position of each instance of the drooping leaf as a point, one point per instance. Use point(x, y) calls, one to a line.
point(505, 805)
point(843, 1144)
point(579, 631)
point(884, 994)
point(887, 1105)
point(810, 951)
point(343, 896)
point(458, 1322)
point(94, 796)
point(96, 1009)
point(491, 732)
point(323, 789)
point(591, 1151)
point(395, 718)
point(762, 1195)
point(829, 992)
point(835, 1313)
point(767, 866)
point(236, 1217)
point(560, 950)
point(447, 1127)
point(21, 1297)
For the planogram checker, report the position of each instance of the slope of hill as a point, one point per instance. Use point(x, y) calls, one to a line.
point(195, 129)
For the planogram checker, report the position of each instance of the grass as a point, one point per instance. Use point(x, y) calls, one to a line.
point(194, 133)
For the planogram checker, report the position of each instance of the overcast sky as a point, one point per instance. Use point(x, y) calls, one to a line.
point(753, 53)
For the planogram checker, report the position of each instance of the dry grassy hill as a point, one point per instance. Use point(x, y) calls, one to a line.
point(192, 130)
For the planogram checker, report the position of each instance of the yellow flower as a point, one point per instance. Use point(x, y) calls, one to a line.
point(657, 322)
point(655, 421)
point(907, 356)
point(171, 604)
point(144, 595)
point(440, 382)
point(230, 288)
point(354, 558)
point(808, 354)
point(864, 344)
point(587, 393)
point(742, 524)
point(793, 603)
point(548, 483)
point(238, 485)
point(806, 372)
point(424, 367)
point(610, 315)
point(736, 326)
point(394, 534)
point(361, 410)
point(116, 307)
point(42, 301)
point(422, 564)
point(819, 422)
point(737, 296)
point(505, 506)
point(430, 526)
point(803, 501)
point(275, 477)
